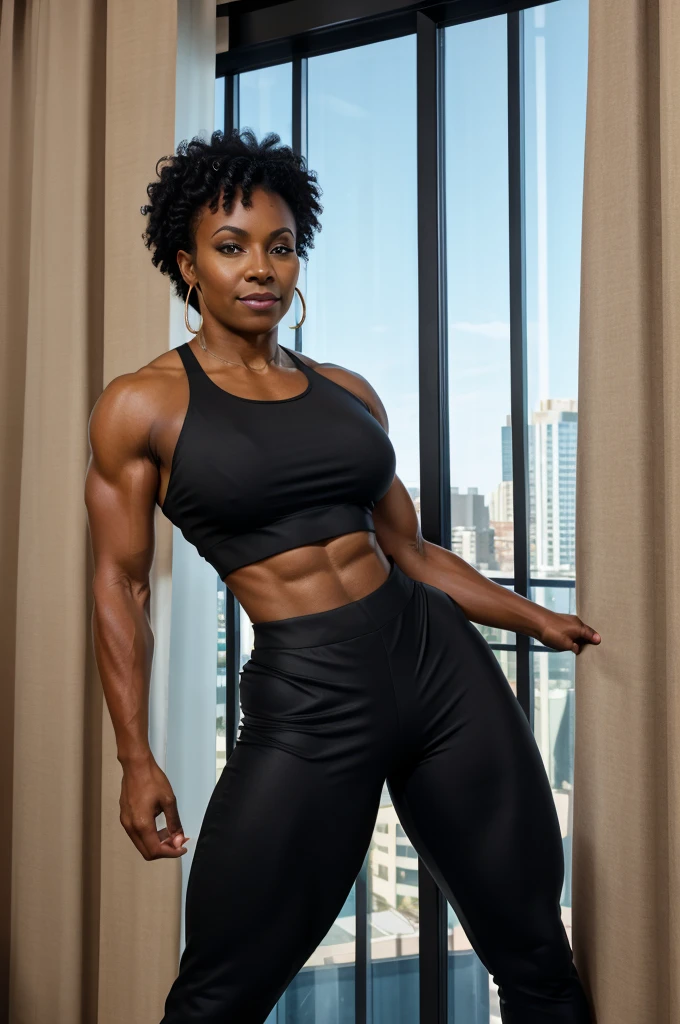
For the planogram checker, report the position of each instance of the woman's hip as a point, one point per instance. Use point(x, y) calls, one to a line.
point(364, 673)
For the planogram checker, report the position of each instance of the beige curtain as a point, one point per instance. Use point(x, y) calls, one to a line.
point(626, 883)
point(89, 930)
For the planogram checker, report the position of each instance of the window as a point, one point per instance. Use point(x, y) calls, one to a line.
point(406, 851)
point(407, 876)
point(469, 261)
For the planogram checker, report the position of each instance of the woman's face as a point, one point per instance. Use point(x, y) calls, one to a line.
point(245, 263)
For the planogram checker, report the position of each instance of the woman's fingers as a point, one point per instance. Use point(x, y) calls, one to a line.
point(151, 843)
point(169, 804)
point(586, 634)
point(566, 632)
point(174, 825)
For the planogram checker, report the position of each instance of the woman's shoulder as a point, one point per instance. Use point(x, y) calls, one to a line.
point(136, 399)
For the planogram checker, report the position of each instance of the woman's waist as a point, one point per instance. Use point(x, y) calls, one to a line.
point(310, 579)
point(379, 601)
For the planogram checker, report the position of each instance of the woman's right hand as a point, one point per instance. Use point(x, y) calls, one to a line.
point(145, 793)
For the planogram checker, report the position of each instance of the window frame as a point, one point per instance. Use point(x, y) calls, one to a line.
point(263, 34)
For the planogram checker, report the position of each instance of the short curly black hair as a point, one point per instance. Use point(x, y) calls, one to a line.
point(198, 173)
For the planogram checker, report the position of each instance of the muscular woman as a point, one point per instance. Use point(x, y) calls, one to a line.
point(366, 666)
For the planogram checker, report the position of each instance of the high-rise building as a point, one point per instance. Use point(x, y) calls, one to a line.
point(506, 449)
point(552, 443)
point(472, 536)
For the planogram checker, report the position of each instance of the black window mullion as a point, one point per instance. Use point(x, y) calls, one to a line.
point(518, 344)
point(435, 502)
point(363, 996)
point(300, 106)
point(435, 491)
point(231, 103)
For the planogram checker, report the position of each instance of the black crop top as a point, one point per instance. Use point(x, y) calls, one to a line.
point(252, 477)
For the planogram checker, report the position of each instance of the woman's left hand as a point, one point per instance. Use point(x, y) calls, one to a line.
point(567, 633)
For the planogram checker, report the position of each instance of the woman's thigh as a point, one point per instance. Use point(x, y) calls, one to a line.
point(475, 799)
point(285, 832)
point(278, 852)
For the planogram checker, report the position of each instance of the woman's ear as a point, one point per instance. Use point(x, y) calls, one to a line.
point(186, 267)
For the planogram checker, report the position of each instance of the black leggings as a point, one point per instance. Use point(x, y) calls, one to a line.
point(397, 686)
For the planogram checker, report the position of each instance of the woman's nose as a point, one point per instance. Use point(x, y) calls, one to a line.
point(259, 267)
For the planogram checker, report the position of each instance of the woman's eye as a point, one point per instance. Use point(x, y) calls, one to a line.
point(231, 248)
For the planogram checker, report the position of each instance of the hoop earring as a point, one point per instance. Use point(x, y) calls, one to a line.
point(186, 314)
point(294, 327)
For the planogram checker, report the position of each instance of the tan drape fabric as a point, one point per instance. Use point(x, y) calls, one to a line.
point(626, 884)
point(90, 931)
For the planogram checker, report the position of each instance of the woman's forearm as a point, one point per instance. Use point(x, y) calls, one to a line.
point(123, 646)
point(482, 600)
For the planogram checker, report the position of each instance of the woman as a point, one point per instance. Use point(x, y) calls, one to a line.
point(365, 665)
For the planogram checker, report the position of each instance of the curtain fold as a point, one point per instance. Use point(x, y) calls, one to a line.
point(626, 858)
point(90, 931)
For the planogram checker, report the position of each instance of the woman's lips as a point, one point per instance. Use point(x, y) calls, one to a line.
point(254, 303)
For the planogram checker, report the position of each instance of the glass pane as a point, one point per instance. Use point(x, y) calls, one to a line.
point(246, 634)
point(219, 104)
point(508, 662)
point(363, 272)
point(553, 675)
point(472, 997)
point(555, 76)
point(558, 599)
point(476, 155)
point(362, 290)
point(476, 180)
point(247, 641)
point(266, 101)
point(553, 683)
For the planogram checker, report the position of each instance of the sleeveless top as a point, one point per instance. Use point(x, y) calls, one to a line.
point(253, 477)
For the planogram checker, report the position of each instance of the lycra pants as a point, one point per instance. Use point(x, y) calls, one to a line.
point(397, 686)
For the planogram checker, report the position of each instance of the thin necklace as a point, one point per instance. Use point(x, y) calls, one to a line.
point(201, 342)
